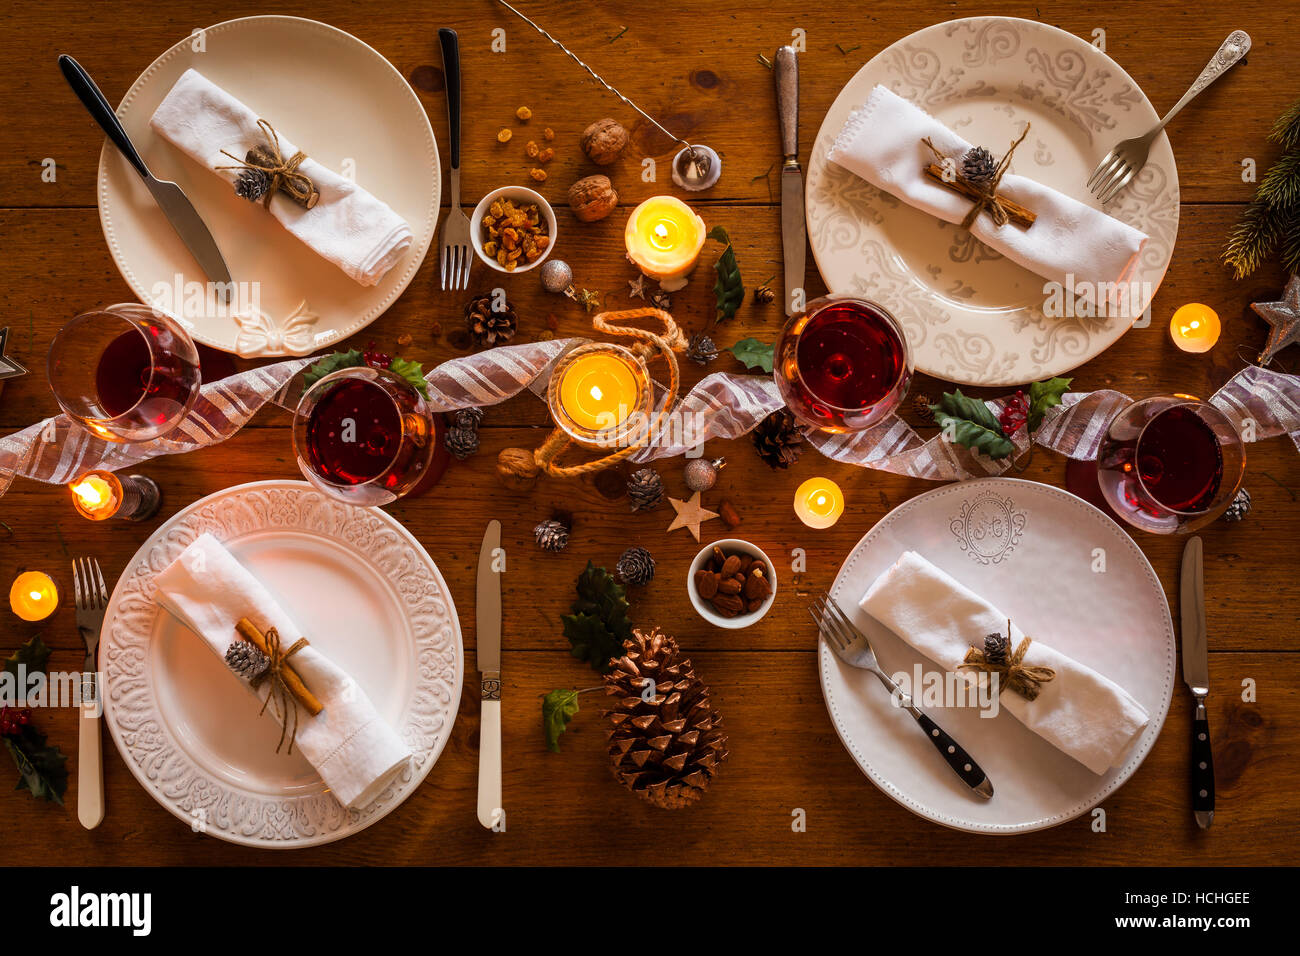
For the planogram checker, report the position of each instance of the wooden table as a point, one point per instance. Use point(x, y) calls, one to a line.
point(696, 66)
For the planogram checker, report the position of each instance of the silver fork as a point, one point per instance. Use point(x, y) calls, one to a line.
point(92, 598)
point(1123, 162)
point(853, 648)
point(457, 256)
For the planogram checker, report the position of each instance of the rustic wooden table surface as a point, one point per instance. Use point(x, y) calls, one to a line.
point(695, 65)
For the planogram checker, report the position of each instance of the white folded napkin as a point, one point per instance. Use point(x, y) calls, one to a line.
point(1080, 712)
point(356, 753)
point(881, 143)
point(348, 226)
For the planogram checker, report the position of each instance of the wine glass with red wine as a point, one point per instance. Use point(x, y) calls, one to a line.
point(127, 373)
point(843, 365)
point(1170, 464)
point(364, 435)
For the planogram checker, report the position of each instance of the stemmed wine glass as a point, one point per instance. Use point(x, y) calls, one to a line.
point(843, 365)
point(127, 373)
point(364, 435)
point(1170, 464)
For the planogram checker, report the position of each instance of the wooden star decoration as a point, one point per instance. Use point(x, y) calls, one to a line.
point(9, 368)
point(1283, 318)
point(636, 288)
point(690, 514)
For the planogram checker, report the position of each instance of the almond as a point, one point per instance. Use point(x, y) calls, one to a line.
point(731, 566)
point(755, 586)
point(754, 604)
point(729, 586)
point(731, 602)
point(706, 583)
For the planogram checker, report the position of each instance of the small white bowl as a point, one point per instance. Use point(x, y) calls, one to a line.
point(705, 609)
point(521, 195)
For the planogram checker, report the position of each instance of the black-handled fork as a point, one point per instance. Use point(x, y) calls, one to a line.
point(853, 648)
point(457, 255)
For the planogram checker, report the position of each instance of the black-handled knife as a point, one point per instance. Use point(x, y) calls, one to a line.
point(1196, 673)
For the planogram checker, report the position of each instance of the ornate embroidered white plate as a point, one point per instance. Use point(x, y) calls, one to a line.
point(971, 316)
point(341, 102)
point(1069, 576)
point(368, 595)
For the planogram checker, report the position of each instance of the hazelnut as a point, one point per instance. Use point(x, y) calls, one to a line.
point(592, 198)
point(604, 140)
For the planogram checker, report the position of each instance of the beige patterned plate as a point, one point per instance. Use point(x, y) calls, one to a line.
point(971, 316)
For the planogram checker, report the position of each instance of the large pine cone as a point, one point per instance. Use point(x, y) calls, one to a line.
point(490, 328)
point(667, 749)
point(778, 439)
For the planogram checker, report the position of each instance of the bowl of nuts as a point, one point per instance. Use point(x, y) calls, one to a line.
point(731, 583)
point(513, 229)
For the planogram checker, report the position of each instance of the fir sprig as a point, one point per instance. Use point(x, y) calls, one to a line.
point(1270, 224)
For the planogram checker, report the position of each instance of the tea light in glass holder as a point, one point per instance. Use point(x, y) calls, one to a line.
point(598, 393)
point(33, 596)
point(819, 503)
point(664, 238)
point(100, 495)
point(1195, 327)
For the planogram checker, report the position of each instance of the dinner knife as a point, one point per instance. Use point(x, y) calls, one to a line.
point(1196, 674)
point(794, 228)
point(176, 206)
point(488, 630)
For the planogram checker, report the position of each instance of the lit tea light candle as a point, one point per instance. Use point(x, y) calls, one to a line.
point(819, 503)
point(100, 495)
point(664, 238)
point(1195, 327)
point(33, 596)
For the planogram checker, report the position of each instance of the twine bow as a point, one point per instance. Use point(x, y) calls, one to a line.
point(283, 173)
point(1025, 679)
point(279, 689)
point(984, 193)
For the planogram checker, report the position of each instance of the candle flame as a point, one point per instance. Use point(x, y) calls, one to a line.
point(661, 231)
point(90, 496)
point(596, 393)
point(35, 595)
point(821, 500)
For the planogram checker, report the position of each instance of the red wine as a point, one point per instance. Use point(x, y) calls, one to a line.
point(131, 374)
point(1179, 460)
point(354, 433)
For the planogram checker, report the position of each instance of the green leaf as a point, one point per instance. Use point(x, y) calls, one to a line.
point(34, 654)
point(970, 423)
point(729, 288)
point(591, 641)
point(331, 363)
point(598, 625)
point(42, 770)
point(558, 708)
point(413, 372)
point(752, 353)
point(1045, 395)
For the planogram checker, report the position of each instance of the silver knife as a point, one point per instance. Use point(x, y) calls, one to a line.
point(175, 205)
point(488, 629)
point(1196, 673)
point(794, 228)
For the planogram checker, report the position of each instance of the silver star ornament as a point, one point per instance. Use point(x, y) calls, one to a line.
point(1283, 318)
point(9, 368)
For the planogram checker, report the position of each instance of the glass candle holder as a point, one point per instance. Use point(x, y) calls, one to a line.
point(100, 495)
point(600, 394)
point(33, 596)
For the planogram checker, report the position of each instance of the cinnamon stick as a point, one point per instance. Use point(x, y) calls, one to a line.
point(1016, 212)
point(248, 630)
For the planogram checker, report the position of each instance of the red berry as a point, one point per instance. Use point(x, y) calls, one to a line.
point(374, 358)
point(1014, 414)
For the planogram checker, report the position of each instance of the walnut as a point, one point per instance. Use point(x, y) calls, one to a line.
point(524, 113)
point(592, 198)
point(603, 141)
point(504, 136)
point(538, 174)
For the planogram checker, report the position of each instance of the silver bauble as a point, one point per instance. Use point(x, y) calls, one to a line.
point(702, 474)
point(556, 275)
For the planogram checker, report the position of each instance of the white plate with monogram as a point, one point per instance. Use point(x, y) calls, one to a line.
point(970, 315)
point(1069, 577)
point(342, 103)
point(367, 595)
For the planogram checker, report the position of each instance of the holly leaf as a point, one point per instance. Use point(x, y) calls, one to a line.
point(42, 770)
point(413, 372)
point(591, 641)
point(34, 654)
point(558, 708)
point(752, 353)
point(729, 288)
point(969, 422)
point(1045, 395)
point(331, 363)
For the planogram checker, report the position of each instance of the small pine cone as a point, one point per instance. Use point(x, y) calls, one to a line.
point(246, 660)
point(252, 184)
point(701, 349)
point(921, 408)
point(461, 442)
point(645, 488)
point(996, 647)
point(778, 439)
point(551, 535)
point(636, 566)
point(468, 418)
point(487, 327)
point(978, 165)
point(764, 295)
point(661, 300)
point(1239, 508)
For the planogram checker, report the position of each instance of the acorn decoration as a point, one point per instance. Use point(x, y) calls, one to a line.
point(636, 566)
point(552, 535)
point(778, 440)
point(488, 326)
point(645, 489)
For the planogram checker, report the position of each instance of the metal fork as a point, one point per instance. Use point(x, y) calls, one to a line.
point(1123, 162)
point(91, 598)
point(457, 256)
point(853, 648)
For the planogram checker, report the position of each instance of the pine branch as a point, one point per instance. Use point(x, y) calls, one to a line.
point(1290, 245)
point(1253, 240)
point(1287, 128)
point(1280, 186)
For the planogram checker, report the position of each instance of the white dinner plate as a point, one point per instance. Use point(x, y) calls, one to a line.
point(339, 101)
point(970, 315)
point(367, 595)
point(1069, 577)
